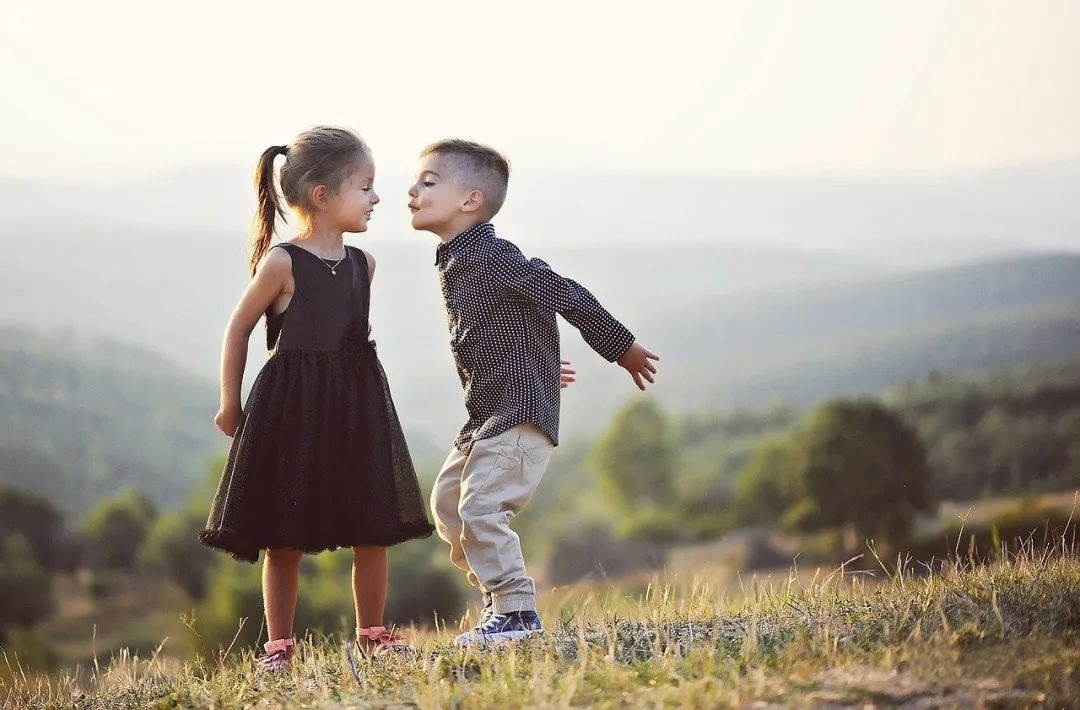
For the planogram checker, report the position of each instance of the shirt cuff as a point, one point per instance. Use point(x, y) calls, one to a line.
point(615, 343)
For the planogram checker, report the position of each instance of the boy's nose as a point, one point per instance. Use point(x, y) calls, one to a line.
point(375, 199)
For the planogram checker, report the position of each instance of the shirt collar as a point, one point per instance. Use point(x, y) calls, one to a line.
point(465, 242)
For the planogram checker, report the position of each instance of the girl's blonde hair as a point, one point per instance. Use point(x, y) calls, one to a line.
point(322, 155)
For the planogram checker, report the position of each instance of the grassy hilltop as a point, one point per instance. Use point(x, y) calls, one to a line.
point(1004, 634)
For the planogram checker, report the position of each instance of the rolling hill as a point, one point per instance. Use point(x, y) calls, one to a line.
point(82, 418)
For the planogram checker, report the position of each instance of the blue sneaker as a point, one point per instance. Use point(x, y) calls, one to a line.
point(500, 628)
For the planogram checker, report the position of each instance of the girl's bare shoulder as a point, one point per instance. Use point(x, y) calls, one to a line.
point(275, 262)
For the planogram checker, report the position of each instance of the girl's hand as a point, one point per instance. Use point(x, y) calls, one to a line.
point(227, 420)
point(566, 374)
point(636, 362)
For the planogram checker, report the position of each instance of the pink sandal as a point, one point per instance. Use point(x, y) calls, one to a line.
point(380, 641)
point(278, 657)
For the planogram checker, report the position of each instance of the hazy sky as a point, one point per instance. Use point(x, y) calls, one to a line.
point(121, 88)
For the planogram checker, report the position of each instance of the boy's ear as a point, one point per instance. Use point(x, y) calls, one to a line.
point(473, 202)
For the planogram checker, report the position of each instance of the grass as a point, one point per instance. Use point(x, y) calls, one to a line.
point(999, 635)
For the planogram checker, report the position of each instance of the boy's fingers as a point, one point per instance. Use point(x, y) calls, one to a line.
point(652, 355)
point(650, 367)
point(638, 382)
point(648, 376)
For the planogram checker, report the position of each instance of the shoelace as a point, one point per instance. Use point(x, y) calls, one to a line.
point(487, 612)
point(494, 623)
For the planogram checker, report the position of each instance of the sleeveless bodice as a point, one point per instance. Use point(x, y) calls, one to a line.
point(327, 309)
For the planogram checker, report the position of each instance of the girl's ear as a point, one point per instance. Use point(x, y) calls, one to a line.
point(473, 202)
point(319, 195)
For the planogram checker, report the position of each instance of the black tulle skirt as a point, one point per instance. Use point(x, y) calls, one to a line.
point(318, 462)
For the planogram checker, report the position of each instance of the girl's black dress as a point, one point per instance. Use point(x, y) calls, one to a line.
point(319, 460)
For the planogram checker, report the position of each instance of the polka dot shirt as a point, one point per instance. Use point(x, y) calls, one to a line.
point(500, 308)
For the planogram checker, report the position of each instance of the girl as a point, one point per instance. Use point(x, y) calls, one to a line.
point(318, 459)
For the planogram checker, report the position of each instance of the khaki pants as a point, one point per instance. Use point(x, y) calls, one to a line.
point(473, 500)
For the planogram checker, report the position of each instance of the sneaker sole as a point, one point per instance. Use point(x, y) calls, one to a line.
point(491, 639)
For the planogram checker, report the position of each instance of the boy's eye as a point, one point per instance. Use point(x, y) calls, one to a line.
point(428, 184)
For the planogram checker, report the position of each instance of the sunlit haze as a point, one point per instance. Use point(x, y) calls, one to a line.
point(116, 89)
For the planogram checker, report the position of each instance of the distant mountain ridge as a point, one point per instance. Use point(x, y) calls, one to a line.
point(857, 336)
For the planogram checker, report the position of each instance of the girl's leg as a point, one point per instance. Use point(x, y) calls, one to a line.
point(281, 579)
point(370, 581)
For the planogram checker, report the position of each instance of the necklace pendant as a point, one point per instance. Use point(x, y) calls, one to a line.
point(333, 273)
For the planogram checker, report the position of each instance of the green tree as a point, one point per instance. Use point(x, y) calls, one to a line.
point(26, 594)
point(116, 528)
point(771, 483)
point(636, 457)
point(863, 467)
point(172, 546)
point(39, 523)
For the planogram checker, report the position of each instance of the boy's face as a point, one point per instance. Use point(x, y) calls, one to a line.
point(435, 199)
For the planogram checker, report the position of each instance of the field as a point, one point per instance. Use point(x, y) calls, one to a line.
point(1001, 635)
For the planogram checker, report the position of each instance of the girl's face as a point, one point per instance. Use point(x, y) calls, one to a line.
point(351, 207)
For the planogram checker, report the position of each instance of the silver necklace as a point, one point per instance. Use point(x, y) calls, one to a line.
point(333, 269)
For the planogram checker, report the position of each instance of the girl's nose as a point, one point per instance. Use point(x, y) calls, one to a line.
point(412, 191)
point(375, 198)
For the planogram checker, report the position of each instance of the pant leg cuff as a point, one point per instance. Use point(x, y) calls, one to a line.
point(510, 603)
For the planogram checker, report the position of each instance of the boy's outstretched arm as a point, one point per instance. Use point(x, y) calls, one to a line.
point(534, 279)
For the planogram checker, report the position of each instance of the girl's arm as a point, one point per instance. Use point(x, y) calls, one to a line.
point(271, 278)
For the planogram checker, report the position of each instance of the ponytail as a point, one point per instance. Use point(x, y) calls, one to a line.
point(269, 205)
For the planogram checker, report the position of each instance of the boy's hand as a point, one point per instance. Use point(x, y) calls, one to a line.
point(636, 362)
point(567, 374)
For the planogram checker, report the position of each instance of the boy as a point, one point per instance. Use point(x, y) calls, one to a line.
point(500, 308)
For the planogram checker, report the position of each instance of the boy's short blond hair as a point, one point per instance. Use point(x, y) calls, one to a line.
point(475, 167)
